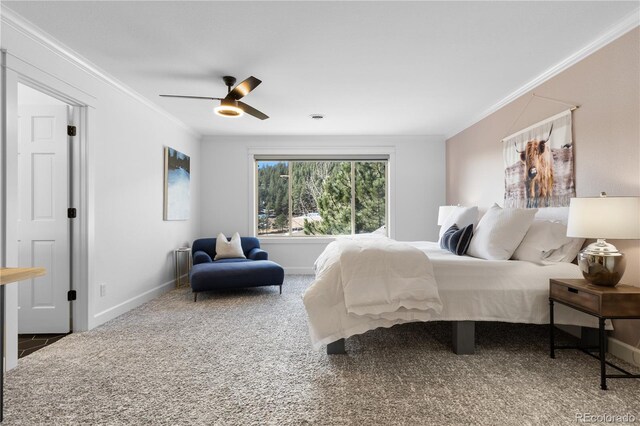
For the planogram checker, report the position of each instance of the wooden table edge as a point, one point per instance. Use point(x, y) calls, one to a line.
point(10, 275)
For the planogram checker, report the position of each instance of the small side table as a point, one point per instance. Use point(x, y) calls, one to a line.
point(620, 302)
point(181, 252)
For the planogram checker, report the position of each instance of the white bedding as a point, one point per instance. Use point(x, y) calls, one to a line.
point(369, 282)
point(381, 276)
point(470, 289)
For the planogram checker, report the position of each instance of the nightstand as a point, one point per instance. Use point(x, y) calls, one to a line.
point(620, 302)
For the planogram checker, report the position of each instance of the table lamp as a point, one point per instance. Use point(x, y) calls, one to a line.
point(444, 212)
point(603, 217)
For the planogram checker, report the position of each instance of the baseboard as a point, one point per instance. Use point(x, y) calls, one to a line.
point(298, 270)
point(127, 305)
point(624, 351)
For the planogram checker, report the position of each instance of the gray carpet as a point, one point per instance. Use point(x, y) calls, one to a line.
point(244, 358)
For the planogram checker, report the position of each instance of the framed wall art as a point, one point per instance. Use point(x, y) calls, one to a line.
point(177, 176)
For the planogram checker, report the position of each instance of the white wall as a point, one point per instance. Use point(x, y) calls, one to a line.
point(134, 246)
point(130, 247)
point(417, 185)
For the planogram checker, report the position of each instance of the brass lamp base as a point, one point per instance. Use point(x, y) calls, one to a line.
point(604, 269)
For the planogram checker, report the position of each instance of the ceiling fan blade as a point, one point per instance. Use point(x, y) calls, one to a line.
point(252, 111)
point(242, 89)
point(191, 97)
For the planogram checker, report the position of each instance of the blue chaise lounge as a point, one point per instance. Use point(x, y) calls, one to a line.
point(254, 271)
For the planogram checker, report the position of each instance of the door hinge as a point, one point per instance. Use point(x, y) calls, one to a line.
point(71, 130)
point(71, 213)
point(71, 295)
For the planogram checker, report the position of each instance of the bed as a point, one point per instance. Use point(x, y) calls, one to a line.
point(470, 289)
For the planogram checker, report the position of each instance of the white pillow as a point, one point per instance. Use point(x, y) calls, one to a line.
point(229, 249)
point(553, 214)
point(566, 253)
point(499, 232)
point(461, 216)
point(542, 238)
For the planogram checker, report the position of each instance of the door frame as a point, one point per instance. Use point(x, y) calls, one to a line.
point(14, 71)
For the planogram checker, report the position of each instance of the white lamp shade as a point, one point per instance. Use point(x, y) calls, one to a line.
point(616, 218)
point(444, 212)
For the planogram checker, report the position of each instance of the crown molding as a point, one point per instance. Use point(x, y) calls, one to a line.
point(628, 23)
point(31, 31)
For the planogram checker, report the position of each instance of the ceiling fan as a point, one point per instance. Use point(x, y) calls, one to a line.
point(230, 105)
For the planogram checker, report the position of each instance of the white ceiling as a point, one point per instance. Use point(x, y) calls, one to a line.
point(373, 68)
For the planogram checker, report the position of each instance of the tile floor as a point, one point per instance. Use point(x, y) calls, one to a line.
point(29, 343)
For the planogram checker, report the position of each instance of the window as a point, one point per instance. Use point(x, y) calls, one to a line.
point(309, 197)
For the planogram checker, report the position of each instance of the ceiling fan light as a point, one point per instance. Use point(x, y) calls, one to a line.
point(228, 111)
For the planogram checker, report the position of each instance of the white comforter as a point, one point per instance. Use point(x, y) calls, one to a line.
point(369, 283)
point(471, 289)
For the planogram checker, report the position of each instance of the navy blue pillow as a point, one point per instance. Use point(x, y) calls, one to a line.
point(457, 240)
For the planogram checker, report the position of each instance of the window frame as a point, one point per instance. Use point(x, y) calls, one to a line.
point(386, 154)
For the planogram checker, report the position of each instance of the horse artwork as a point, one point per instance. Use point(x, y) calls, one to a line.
point(539, 164)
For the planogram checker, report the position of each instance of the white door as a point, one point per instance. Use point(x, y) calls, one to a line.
point(43, 226)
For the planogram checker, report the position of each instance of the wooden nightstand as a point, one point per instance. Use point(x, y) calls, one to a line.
point(620, 302)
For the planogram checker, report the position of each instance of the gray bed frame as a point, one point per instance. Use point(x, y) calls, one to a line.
point(463, 339)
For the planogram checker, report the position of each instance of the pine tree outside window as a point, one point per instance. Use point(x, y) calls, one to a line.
point(321, 197)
